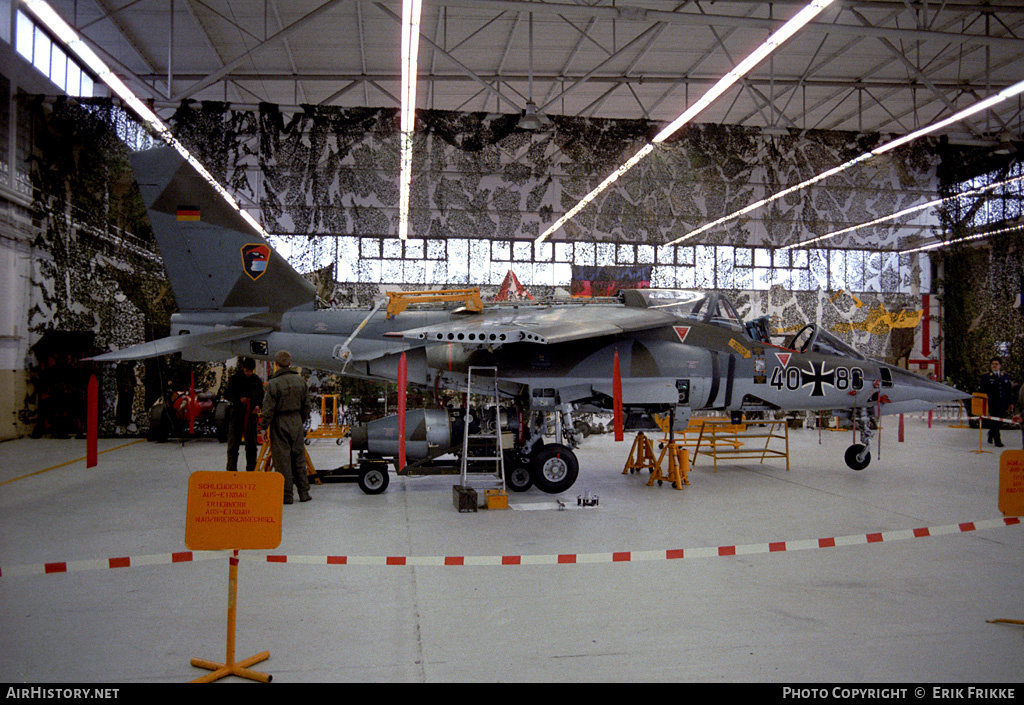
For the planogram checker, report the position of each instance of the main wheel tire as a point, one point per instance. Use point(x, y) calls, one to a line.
point(852, 454)
point(554, 468)
point(158, 424)
point(221, 419)
point(374, 479)
point(519, 479)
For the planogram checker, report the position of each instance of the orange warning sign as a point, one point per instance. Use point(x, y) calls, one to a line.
point(1011, 483)
point(234, 510)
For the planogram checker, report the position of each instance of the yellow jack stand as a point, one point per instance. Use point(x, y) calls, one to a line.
point(329, 429)
point(641, 455)
point(230, 667)
point(678, 466)
point(265, 461)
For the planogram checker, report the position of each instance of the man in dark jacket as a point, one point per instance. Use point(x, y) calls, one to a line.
point(998, 387)
point(286, 409)
point(245, 392)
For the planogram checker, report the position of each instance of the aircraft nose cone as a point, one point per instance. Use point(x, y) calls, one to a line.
point(909, 386)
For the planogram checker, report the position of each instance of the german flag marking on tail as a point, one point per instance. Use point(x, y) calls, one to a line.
point(188, 213)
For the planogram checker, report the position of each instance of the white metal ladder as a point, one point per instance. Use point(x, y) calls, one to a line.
point(498, 477)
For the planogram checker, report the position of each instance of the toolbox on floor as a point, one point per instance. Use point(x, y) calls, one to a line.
point(464, 498)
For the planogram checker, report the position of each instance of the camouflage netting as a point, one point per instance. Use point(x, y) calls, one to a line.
point(982, 290)
point(94, 272)
point(333, 171)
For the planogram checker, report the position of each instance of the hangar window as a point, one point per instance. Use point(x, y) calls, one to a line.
point(462, 261)
point(1000, 201)
point(49, 57)
point(414, 249)
point(435, 249)
point(501, 251)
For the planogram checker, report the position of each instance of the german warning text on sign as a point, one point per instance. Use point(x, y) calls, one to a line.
point(1011, 483)
point(229, 510)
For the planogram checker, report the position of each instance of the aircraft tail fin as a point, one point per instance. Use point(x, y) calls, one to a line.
point(215, 260)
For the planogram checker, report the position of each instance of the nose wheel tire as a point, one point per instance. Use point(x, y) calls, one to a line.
point(554, 468)
point(857, 456)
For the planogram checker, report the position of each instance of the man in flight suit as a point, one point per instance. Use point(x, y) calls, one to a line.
point(286, 407)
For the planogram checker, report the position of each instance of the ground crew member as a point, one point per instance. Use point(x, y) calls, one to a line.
point(245, 392)
point(1018, 415)
point(999, 389)
point(286, 408)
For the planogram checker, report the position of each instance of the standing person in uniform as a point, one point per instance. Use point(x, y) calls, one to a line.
point(996, 384)
point(286, 408)
point(245, 392)
point(1018, 412)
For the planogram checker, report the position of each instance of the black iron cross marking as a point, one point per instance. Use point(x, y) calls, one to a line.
point(818, 377)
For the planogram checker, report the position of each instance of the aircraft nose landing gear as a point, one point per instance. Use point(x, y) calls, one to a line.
point(858, 455)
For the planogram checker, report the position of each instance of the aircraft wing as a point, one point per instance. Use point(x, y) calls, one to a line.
point(179, 343)
point(539, 325)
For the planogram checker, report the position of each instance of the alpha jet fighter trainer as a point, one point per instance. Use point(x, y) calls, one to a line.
point(646, 351)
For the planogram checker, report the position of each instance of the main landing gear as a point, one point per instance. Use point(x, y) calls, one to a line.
point(553, 468)
point(858, 455)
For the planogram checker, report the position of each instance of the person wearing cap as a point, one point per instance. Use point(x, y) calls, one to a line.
point(245, 392)
point(999, 389)
point(286, 408)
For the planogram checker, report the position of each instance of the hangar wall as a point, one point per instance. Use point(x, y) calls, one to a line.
point(18, 231)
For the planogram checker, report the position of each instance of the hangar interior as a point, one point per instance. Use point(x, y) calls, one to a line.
point(865, 176)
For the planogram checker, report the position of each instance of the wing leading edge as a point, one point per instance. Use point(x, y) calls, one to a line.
point(179, 343)
point(546, 326)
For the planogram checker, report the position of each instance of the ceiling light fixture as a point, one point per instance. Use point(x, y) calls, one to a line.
point(530, 120)
point(1005, 145)
point(410, 49)
point(787, 30)
point(977, 107)
point(976, 236)
point(77, 45)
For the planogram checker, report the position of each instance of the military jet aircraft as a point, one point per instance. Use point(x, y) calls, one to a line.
point(644, 351)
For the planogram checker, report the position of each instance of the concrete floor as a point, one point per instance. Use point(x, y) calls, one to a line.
point(908, 610)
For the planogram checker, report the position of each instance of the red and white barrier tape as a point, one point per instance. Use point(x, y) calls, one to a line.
point(106, 563)
point(504, 560)
point(997, 418)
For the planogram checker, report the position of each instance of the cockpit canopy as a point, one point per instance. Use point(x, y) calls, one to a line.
point(814, 338)
point(704, 306)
